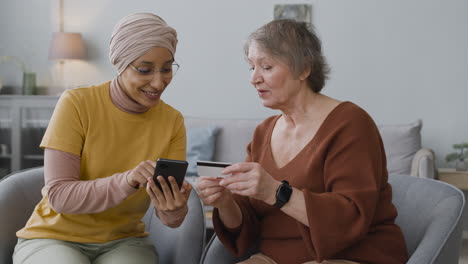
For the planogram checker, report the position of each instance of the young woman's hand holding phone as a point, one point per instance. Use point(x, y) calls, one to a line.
point(169, 200)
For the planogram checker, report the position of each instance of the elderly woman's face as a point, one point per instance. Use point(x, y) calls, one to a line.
point(272, 78)
point(146, 78)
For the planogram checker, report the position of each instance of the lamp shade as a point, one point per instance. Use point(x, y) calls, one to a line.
point(66, 45)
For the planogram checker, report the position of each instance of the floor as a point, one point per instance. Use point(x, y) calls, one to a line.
point(464, 250)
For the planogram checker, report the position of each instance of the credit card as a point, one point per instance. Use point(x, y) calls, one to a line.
point(211, 168)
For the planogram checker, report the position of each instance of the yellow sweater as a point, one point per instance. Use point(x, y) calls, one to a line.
point(86, 123)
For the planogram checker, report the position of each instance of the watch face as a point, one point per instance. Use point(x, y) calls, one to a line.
point(284, 193)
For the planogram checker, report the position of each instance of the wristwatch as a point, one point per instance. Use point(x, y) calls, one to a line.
point(283, 193)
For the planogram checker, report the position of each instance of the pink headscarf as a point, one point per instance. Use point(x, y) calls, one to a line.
point(136, 34)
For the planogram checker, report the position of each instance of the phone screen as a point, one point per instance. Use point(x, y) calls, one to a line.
point(168, 167)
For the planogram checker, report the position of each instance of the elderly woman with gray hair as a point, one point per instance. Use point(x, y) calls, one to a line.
point(314, 185)
point(100, 147)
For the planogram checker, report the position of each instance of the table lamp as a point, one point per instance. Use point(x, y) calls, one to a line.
point(66, 46)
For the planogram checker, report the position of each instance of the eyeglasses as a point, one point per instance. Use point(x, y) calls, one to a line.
point(147, 72)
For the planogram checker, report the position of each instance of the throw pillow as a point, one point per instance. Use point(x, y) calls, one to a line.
point(401, 142)
point(200, 146)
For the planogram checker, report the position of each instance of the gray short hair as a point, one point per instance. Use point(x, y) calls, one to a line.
point(297, 45)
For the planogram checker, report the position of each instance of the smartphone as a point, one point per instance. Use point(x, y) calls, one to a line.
point(168, 167)
point(211, 168)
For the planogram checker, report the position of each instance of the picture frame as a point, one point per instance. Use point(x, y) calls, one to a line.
point(298, 12)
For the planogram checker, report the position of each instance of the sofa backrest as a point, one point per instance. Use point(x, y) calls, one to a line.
point(401, 142)
point(233, 136)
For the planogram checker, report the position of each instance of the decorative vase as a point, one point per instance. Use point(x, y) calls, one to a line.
point(29, 83)
point(461, 165)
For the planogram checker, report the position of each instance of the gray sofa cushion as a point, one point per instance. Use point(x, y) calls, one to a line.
point(200, 146)
point(233, 137)
point(401, 142)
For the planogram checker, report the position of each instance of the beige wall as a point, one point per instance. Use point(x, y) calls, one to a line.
point(400, 60)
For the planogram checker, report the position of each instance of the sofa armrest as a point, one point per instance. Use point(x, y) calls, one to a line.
point(19, 194)
point(423, 164)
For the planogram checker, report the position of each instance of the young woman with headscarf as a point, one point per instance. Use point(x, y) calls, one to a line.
point(100, 150)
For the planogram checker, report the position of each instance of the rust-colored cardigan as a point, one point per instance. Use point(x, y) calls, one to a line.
point(342, 174)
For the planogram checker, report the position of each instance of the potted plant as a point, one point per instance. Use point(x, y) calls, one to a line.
point(29, 78)
point(460, 157)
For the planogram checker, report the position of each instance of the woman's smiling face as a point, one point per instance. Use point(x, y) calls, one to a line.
point(146, 78)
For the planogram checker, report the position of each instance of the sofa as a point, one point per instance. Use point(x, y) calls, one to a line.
point(225, 140)
point(432, 226)
point(218, 140)
point(21, 191)
point(432, 236)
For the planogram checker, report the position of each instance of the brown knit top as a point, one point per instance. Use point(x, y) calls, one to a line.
point(342, 174)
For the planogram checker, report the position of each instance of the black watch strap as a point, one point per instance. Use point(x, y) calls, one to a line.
point(283, 194)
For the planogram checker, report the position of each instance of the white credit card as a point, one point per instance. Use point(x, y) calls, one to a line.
point(211, 168)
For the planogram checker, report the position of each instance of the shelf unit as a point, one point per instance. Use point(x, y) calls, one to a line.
point(23, 120)
point(458, 179)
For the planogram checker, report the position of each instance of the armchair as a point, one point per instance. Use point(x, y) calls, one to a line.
point(432, 225)
point(21, 191)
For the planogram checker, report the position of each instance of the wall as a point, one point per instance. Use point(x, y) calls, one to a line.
point(400, 60)
point(25, 40)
